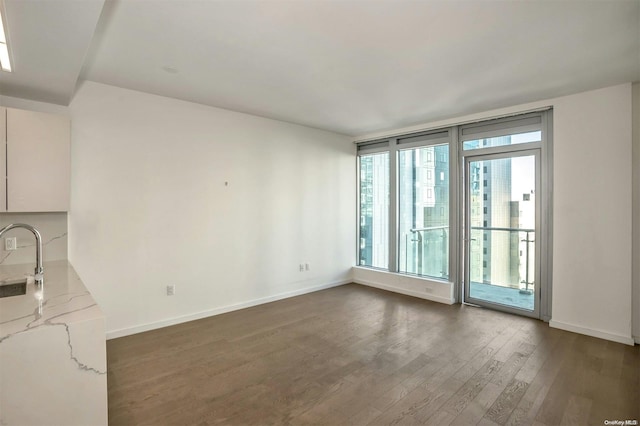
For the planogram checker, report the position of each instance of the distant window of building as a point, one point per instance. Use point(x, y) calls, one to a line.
point(374, 210)
point(422, 203)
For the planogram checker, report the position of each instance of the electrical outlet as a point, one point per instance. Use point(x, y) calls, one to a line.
point(307, 266)
point(428, 290)
point(10, 244)
point(301, 267)
point(171, 290)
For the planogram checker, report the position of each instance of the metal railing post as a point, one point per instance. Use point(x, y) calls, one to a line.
point(445, 266)
point(526, 277)
point(420, 250)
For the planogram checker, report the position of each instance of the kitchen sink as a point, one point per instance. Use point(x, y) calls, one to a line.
point(15, 287)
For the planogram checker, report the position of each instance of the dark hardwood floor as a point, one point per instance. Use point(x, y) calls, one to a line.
point(357, 355)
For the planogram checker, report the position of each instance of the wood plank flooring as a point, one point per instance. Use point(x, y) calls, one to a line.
point(354, 355)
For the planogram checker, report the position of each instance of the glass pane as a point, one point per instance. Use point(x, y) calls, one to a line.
point(502, 244)
point(374, 210)
point(423, 220)
point(503, 140)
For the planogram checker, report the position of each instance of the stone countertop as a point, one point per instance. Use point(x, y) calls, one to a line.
point(63, 300)
point(53, 360)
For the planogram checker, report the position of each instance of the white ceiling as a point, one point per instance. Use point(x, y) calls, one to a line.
point(350, 66)
point(48, 40)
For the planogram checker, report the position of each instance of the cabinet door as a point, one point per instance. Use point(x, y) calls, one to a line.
point(38, 161)
point(3, 159)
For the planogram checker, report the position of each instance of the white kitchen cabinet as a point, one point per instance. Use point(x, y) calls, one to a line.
point(37, 161)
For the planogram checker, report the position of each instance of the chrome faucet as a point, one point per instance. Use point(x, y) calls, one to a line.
point(39, 272)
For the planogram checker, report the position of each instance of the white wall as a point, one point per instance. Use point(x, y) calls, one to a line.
point(591, 213)
point(636, 211)
point(149, 207)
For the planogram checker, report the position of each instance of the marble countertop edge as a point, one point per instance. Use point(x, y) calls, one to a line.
point(64, 301)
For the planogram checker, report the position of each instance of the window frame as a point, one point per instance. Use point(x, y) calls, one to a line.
point(424, 142)
point(540, 120)
point(489, 126)
point(392, 145)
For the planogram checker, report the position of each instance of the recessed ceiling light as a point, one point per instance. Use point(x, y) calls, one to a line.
point(5, 64)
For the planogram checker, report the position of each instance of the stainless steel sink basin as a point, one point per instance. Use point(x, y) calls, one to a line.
point(16, 287)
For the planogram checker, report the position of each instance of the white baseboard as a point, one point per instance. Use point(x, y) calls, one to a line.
point(627, 340)
point(221, 310)
point(400, 290)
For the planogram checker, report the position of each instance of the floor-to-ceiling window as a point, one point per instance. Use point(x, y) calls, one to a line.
point(467, 204)
point(404, 204)
point(423, 211)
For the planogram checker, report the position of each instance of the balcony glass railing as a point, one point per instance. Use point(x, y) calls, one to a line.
point(503, 256)
point(426, 252)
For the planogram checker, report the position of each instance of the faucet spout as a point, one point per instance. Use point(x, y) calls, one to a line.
point(39, 271)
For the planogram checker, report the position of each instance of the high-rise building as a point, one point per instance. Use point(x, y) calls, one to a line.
point(374, 210)
point(502, 208)
point(424, 211)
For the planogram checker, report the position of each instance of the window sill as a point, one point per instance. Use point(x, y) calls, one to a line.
point(412, 285)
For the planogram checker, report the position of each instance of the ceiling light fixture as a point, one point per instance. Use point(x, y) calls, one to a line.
point(5, 64)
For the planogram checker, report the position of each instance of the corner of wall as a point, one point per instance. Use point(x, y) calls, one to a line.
point(254, 198)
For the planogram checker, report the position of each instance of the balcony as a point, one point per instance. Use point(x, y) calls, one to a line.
point(502, 265)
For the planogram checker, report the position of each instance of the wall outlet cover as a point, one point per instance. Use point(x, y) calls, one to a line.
point(10, 244)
